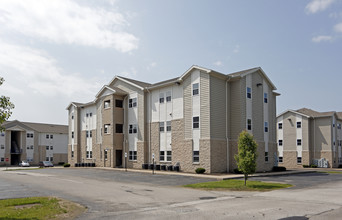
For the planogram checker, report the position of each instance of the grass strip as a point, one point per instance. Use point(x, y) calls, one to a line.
point(238, 185)
point(37, 208)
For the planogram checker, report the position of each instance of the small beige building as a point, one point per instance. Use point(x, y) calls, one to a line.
point(308, 137)
point(193, 120)
point(33, 142)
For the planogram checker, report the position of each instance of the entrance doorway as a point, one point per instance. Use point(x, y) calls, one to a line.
point(118, 158)
point(15, 147)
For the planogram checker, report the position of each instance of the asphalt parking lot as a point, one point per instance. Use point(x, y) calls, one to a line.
point(113, 194)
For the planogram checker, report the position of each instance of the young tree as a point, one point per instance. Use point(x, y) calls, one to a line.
point(247, 154)
point(5, 107)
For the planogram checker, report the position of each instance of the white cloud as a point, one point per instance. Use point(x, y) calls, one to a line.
point(338, 27)
point(66, 22)
point(218, 63)
point(35, 71)
point(318, 5)
point(318, 39)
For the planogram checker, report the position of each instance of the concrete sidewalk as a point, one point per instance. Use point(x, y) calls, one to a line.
point(224, 176)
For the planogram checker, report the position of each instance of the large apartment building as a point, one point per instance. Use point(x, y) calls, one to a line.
point(193, 120)
point(33, 142)
point(307, 137)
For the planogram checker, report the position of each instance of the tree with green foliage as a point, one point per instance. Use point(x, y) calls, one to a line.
point(247, 154)
point(5, 107)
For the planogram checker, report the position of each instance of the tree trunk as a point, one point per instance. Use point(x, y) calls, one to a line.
point(245, 174)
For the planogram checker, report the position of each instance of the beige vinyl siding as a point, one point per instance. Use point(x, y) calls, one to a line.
point(205, 105)
point(187, 108)
point(305, 134)
point(238, 113)
point(258, 107)
point(217, 108)
point(290, 137)
point(323, 134)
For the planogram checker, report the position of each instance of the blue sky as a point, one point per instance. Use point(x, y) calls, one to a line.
point(54, 52)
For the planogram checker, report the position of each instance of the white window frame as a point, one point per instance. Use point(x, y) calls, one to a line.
point(195, 89)
point(249, 93)
point(106, 129)
point(195, 124)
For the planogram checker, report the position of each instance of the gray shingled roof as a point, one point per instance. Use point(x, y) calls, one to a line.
point(139, 83)
point(42, 128)
point(242, 72)
point(312, 113)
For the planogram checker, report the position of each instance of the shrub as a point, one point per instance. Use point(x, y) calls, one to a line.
point(278, 169)
point(61, 163)
point(66, 165)
point(200, 170)
point(237, 171)
point(313, 166)
point(306, 166)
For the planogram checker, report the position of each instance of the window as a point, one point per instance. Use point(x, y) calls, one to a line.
point(51, 158)
point(195, 122)
point(338, 126)
point(2, 159)
point(107, 104)
point(89, 154)
point(72, 116)
point(90, 134)
point(118, 103)
point(107, 128)
point(299, 124)
point(249, 93)
point(132, 129)
point(280, 142)
point(51, 147)
point(132, 103)
point(266, 126)
point(299, 159)
point(72, 153)
point(119, 128)
point(162, 155)
point(87, 115)
point(161, 126)
point(132, 155)
point(169, 156)
point(47, 147)
point(87, 133)
point(47, 136)
point(195, 156)
point(280, 159)
point(249, 124)
point(105, 154)
point(2, 146)
point(31, 147)
point(265, 98)
point(195, 89)
point(299, 142)
point(168, 97)
point(47, 158)
point(161, 98)
point(28, 135)
point(72, 134)
point(28, 147)
point(168, 126)
point(266, 156)
point(90, 114)
point(280, 126)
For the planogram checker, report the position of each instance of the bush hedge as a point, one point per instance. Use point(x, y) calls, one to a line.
point(200, 170)
point(66, 165)
point(278, 169)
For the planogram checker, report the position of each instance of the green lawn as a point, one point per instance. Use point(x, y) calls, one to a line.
point(239, 185)
point(38, 208)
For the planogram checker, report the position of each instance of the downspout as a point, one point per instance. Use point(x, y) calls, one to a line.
point(124, 133)
point(149, 125)
point(227, 138)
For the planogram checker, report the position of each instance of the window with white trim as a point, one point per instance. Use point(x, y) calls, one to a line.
point(161, 127)
point(118, 103)
point(249, 124)
point(280, 142)
point(280, 126)
point(195, 122)
point(132, 155)
point(162, 155)
point(2, 146)
point(132, 129)
point(299, 159)
point(280, 159)
point(168, 96)
point(195, 89)
point(107, 128)
point(249, 93)
point(106, 104)
point(195, 156)
point(265, 98)
point(161, 97)
point(169, 156)
point(168, 126)
point(266, 126)
point(299, 142)
point(132, 103)
point(266, 156)
point(51, 147)
point(47, 147)
point(119, 128)
point(299, 124)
